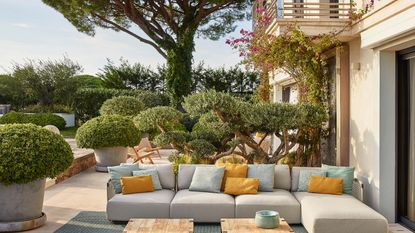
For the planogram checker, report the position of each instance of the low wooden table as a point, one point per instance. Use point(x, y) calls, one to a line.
point(247, 225)
point(137, 225)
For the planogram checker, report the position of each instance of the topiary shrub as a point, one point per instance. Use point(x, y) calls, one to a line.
point(158, 118)
point(40, 119)
point(88, 101)
point(29, 152)
point(122, 105)
point(108, 131)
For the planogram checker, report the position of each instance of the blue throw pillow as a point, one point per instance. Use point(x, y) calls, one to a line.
point(117, 172)
point(207, 179)
point(154, 176)
point(265, 173)
point(345, 173)
point(304, 179)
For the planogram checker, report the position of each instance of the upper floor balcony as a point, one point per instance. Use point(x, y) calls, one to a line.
point(312, 16)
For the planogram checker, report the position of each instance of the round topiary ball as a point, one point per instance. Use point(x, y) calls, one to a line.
point(122, 105)
point(29, 152)
point(108, 131)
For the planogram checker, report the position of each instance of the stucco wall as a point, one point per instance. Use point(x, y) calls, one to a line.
point(365, 119)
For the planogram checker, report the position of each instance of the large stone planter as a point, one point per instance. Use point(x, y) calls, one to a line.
point(110, 156)
point(21, 206)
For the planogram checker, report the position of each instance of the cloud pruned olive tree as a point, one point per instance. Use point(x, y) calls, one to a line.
point(227, 125)
point(170, 26)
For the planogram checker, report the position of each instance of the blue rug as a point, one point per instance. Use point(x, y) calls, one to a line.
point(96, 222)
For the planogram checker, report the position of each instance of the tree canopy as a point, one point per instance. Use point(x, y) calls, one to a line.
point(170, 26)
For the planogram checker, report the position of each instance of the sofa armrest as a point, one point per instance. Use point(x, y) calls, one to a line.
point(357, 190)
point(110, 190)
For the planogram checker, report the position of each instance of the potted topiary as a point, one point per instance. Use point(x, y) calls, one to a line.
point(109, 136)
point(28, 155)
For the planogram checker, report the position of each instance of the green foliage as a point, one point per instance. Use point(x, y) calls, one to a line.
point(175, 138)
point(13, 92)
point(107, 131)
point(227, 122)
point(232, 80)
point(88, 101)
point(177, 159)
point(130, 76)
point(40, 119)
point(29, 153)
point(55, 108)
point(49, 81)
point(122, 105)
point(158, 118)
point(201, 148)
point(87, 81)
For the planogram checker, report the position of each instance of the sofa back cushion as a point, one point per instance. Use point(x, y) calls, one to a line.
point(282, 175)
point(165, 173)
point(295, 175)
point(207, 179)
point(185, 175)
point(282, 178)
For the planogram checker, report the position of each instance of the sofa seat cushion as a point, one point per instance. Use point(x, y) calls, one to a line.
point(325, 213)
point(140, 205)
point(279, 200)
point(202, 206)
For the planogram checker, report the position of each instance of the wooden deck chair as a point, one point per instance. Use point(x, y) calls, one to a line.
point(145, 145)
point(139, 155)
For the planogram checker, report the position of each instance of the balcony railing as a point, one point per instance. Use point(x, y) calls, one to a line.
point(308, 9)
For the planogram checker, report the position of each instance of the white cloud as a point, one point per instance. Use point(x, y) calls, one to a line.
point(21, 25)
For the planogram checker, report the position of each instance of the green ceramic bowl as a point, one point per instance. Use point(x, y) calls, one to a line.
point(267, 219)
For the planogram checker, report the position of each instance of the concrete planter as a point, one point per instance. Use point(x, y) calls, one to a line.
point(21, 206)
point(68, 117)
point(110, 156)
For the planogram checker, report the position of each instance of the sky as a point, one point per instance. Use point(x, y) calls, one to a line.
point(30, 29)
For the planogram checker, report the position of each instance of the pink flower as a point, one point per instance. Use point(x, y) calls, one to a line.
point(228, 41)
point(242, 31)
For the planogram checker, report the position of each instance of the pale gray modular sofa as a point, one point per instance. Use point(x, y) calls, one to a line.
point(319, 213)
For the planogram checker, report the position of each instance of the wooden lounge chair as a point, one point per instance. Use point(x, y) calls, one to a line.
point(145, 145)
point(139, 155)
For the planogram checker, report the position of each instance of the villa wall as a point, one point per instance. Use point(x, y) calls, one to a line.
point(372, 102)
point(364, 119)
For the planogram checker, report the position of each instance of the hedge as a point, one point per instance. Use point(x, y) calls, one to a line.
point(40, 119)
point(29, 152)
point(88, 101)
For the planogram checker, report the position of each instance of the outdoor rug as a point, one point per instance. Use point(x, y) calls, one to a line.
point(96, 222)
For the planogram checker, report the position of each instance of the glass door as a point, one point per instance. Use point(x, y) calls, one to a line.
point(406, 138)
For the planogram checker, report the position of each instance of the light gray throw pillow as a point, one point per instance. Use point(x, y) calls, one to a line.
point(207, 179)
point(154, 176)
point(116, 172)
point(265, 174)
point(304, 179)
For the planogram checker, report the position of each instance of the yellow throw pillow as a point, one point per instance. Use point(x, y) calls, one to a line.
point(325, 185)
point(238, 186)
point(136, 184)
point(233, 170)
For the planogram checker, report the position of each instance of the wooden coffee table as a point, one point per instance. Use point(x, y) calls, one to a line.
point(247, 225)
point(138, 225)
